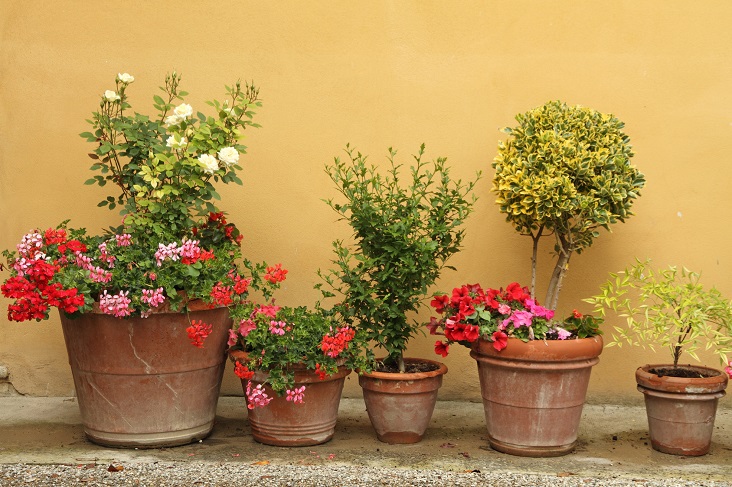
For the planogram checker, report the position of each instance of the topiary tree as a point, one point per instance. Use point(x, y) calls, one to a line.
point(565, 171)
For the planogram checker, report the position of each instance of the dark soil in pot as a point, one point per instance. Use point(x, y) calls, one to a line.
point(411, 367)
point(683, 371)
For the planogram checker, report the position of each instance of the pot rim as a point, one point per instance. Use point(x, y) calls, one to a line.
point(684, 385)
point(542, 350)
point(396, 376)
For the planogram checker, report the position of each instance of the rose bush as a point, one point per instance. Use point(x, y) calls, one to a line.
point(173, 245)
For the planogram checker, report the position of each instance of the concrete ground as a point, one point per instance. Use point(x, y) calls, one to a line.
point(613, 445)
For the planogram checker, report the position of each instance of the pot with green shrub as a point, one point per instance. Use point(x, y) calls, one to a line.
point(406, 225)
point(671, 309)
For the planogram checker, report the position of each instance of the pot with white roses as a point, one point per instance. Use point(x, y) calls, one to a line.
point(145, 307)
point(518, 347)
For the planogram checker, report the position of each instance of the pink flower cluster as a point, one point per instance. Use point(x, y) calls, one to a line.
point(117, 305)
point(165, 252)
point(728, 369)
point(30, 243)
point(256, 397)
point(105, 256)
point(296, 395)
point(124, 240)
point(277, 327)
point(97, 274)
point(153, 297)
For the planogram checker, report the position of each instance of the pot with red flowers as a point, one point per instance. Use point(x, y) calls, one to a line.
point(293, 363)
point(145, 307)
point(518, 344)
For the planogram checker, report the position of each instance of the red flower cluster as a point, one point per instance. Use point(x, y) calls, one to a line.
point(512, 308)
point(216, 224)
point(275, 274)
point(221, 295)
point(32, 289)
point(332, 346)
point(320, 372)
point(198, 332)
point(242, 371)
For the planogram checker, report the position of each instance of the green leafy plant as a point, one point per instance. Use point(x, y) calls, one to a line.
point(667, 307)
point(278, 340)
point(404, 230)
point(564, 171)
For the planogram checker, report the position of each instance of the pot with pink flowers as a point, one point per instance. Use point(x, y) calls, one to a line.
point(518, 346)
point(293, 363)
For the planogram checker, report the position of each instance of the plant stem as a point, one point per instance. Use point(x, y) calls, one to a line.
point(535, 252)
point(560, 269)
point(400, 363)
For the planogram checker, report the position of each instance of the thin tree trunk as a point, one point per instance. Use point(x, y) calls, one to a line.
point(560, 269)
point(534, 254)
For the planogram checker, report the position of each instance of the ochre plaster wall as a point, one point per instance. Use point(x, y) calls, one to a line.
point(379, 74)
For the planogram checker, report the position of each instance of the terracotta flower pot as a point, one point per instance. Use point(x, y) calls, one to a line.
point(400, 406)
point(533, 393)
point(140, 382)
point(681, 411)
point(284, 423)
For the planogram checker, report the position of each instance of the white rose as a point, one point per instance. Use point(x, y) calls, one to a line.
point(208, 163)
point(171, 120)
point(125, 78)
point(229, 156)
point(183, 111)
point(111, 95)
point(175, 143)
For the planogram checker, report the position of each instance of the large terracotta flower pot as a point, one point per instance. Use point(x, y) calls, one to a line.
point(681, 410)
point(140, 382)
point(400, 406)
point(533, 393)
point(284, 423)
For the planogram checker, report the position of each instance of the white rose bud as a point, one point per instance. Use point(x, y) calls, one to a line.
point(175, 143)
point(229, 156)
point(125, 78)
point(110, 95)
point(183, 111)
point(208, 163)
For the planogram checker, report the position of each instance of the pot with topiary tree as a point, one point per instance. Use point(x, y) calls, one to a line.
point(563, 171)
point(671, 309)
point(405, 226)
point(145, 307)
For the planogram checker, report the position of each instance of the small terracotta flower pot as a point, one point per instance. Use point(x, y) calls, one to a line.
point(681, 411)
point(400, 406)
point(284, 423)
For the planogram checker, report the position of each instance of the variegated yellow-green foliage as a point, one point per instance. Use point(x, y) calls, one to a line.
point(565, 170)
